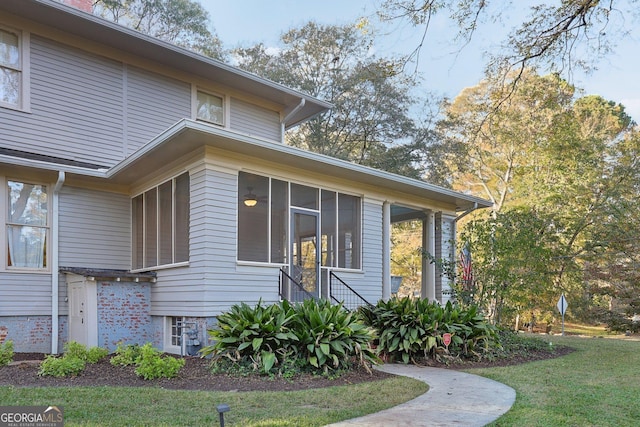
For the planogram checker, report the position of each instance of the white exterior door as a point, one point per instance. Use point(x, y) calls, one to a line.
point(83, 321)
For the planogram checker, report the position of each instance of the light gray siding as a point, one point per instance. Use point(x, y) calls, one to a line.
point(88, 108)
point(153, 104)
point(253, 120)
point(76, 106)
point(181, 291)
point(94, 229)
point(228, 283)
point(213, 281)
point(25, 294)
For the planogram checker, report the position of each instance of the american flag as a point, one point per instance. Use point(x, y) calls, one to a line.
point(465, 266)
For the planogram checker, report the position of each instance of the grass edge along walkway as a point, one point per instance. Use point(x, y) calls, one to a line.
point(597, 385)
point(119, 406)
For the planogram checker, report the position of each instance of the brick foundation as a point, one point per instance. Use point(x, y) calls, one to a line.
point(123, 313)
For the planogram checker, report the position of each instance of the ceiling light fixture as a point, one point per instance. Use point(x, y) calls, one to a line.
point(250, 199)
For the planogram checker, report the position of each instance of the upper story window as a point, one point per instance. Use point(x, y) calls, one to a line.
point(27, 225)
point(209, 108)
point(13, 60)
point(160, 224)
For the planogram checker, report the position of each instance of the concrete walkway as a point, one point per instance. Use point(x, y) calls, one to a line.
point(454, 399)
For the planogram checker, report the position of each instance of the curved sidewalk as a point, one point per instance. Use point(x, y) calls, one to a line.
point(454, 399)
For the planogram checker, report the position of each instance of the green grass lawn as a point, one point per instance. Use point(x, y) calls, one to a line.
point(597, 385)
point(113, 406)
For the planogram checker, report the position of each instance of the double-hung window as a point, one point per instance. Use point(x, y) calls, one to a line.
point(27, 225)
point(209, 108)
point(160, 224)
point(12, 69)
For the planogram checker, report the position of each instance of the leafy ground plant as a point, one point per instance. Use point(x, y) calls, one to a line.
point(411, 329)
point(330, 337)
point(61, 366)
point(150, 364)
point(125, 355)
point(258, 338)
point(6, 353)
point(74, 359)
point(282, 338)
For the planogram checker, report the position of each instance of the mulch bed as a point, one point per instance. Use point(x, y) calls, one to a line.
point(196, 375)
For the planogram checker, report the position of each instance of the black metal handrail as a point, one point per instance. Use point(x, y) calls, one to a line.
point(286, 292)
point(345, 294)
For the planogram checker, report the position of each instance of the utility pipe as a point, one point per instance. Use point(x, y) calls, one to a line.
point(286, 118)
point(54, 263)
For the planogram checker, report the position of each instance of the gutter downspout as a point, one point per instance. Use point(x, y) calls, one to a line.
point(291, 113)
point(54, 263)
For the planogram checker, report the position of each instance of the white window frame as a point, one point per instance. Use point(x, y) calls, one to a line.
point(24, 68)
point(194, 105)
point(158, 231)
point(169, 347)
point(359, 241)
point(4, 219)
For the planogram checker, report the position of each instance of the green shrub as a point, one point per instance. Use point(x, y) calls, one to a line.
point(61, 366)
point(73, 361)
point(150, 365)
point(95, 354)
point(619, 322)
point(73, 349)
point(257, 337)
point(411, 329)
point(6, 353)
point(126, 355)
point(284, 339)
point(331, 338)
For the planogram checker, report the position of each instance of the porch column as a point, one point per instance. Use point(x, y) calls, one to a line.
point(428, 268)
point(386, 251)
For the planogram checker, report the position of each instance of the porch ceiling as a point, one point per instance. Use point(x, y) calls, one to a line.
point(187, 136)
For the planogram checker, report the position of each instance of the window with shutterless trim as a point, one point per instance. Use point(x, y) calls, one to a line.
point(13, 68)
point(160, 224)
point(27, 225)
point(209, 107)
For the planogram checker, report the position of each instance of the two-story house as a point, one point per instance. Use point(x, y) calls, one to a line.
point(145, 189)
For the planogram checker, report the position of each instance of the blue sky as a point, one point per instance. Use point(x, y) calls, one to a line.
point(445, 68)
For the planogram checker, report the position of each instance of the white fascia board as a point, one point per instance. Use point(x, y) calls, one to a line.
point(51, 166)
point(245, 144)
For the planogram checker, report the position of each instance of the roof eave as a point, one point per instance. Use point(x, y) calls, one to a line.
point(96, 29)
point(188, 135)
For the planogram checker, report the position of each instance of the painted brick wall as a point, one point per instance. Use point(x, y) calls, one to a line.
point(123, 313)
point(28, 333)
